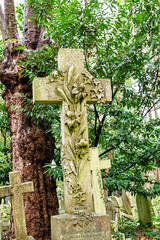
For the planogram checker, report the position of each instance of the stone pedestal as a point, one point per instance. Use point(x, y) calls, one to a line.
point(81, 226)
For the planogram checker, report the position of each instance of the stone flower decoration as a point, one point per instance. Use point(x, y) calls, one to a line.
point(78, 194)
point(73, 119)
point(82, 148)
point(98, 92)
point(78, 90)
point(83, 218)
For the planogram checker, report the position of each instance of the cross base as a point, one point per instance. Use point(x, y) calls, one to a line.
point(82, 226)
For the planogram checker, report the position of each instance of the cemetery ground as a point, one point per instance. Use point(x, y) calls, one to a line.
point(131, 229)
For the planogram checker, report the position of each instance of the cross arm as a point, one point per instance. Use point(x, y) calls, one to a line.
point(105, 164)
point(44, 91)
point(27, 187)
point(99, 91)
point(5, 191)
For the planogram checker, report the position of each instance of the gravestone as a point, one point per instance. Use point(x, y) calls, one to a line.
point(73, 87)
point(144, 207)
point(97, 186)
point(127, 203)
point(16, 189)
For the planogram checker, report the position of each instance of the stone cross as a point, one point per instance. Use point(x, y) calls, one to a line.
point(16, 190)
point(97, 186)
point(73, 87)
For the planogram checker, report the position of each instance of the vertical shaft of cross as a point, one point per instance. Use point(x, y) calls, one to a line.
point(74, 136)
point(18, 206)
point(17, 189)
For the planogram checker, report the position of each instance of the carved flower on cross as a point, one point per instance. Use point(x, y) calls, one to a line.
point(87, 78)
point(56, 76)
point(78, 194)
point(73, 119)
point(82, 148)
point(78, 90)
point(99, 94)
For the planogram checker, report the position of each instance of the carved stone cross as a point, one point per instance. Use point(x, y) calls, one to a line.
point(16, 190)
point(73, 87)
point(97, 186)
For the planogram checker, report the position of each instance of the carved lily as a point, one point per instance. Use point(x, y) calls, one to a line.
point(98, 93)
point(73, 119)
point(82, 148)
point(78, 90)
point(88, 79)
point(83, 143)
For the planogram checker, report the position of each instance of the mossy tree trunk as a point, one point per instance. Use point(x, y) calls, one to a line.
point(31, 147)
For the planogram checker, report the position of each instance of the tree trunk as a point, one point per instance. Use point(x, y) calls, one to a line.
point(31, 147)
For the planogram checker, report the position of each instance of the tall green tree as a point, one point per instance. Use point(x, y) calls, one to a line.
point(120, 40)
point(31, 146)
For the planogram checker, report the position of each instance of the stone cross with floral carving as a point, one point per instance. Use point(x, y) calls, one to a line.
point(16, 189)
point(73, 87)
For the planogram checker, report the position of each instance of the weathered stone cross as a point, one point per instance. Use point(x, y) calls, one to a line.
point(72, 87)
point(16, 190)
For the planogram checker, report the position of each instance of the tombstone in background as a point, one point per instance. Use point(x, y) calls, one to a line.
point(73, 87)
point(144, 207)
point(113, 210)
point(127, 203)
point(16, 189)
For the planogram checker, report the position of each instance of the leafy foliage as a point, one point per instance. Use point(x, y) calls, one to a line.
point(1, 50)
point(19, 15)
point(120, 40)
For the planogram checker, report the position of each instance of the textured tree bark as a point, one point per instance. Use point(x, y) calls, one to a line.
point(9, 18)
point(2, 24)
point(30, 147)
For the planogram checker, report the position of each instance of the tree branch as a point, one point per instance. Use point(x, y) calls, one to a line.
point(10, 20)
point(96, 117)
point(99, 130)
point(31, 30)
point(2, 24)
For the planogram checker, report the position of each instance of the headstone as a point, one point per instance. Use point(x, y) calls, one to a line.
point(144, 208)
point(113, 210)
point(127, 203)
point(97, 186)
point(16, 189)
point(73, 87)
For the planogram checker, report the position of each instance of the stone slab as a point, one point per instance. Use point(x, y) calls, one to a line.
point(144, 207)
point(82, 227)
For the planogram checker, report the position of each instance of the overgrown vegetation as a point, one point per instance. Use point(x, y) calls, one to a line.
point(120, 40)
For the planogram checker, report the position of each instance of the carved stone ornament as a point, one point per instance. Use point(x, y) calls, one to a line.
point(74, 91)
